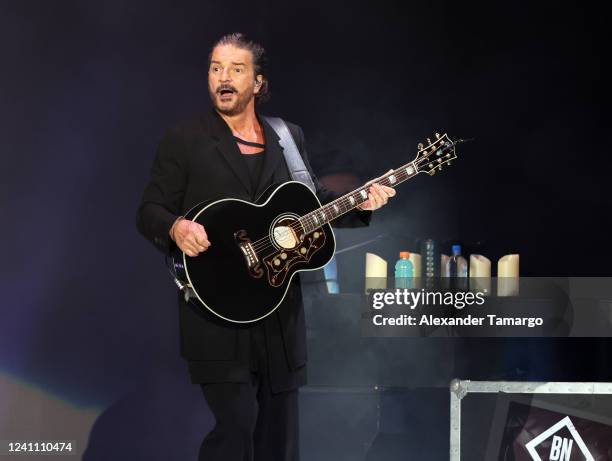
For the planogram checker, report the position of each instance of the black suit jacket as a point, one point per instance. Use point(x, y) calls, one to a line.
point(201, 161)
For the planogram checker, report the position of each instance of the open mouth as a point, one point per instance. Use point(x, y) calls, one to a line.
point(226, 93)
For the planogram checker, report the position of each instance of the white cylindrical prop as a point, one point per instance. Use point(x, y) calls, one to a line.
point(375, 272)
point(480, 266)
point(480, 274)
point(508, 275)
point(415, 259)
point(444, 265)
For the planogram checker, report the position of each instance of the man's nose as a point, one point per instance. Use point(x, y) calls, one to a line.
point(225, 75)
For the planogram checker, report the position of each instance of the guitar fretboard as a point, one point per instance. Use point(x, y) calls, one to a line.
point(327, 213)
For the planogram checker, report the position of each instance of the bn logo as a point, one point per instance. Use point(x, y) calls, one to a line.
point(561, 447)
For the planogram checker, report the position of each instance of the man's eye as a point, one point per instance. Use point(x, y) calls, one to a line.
point(238, 70)
point(215, 69)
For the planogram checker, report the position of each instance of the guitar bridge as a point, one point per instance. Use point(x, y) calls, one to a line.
point(249, 253)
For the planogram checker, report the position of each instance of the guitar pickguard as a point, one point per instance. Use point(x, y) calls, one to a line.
point(279, 265)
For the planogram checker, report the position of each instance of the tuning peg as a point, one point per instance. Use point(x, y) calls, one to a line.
point(428, 141)
point(450, 162)
point(420, 146)
point(437, 135)
point(440, 168)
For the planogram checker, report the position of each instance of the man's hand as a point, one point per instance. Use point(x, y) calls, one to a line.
point(189, 236)
point(377, 197)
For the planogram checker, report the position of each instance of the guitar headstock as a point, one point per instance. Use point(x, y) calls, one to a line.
point(437, 153)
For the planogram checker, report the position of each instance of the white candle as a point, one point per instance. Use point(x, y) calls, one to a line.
point(508, 266)
point(375, 272)
point(480, 266)
point(507, 275)
point(480, 274)
point(444, 266)
point(415, 259)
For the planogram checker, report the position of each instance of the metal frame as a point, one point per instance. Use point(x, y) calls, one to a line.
point(460, 388)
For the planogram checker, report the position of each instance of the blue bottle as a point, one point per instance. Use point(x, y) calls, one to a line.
point(457, 269)
point(404, 271)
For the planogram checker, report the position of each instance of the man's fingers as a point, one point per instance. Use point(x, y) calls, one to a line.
point(381, 193)
point(192, 248)
point(201, 237)
point(389, 190)
point(386, 191)
point(199, 246)
point(191, 238)
point(189, 251)
point(375, 201)
point(201, 240)
point(379, 196)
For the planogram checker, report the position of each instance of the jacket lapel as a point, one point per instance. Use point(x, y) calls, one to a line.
point(228, 149)
point(274, 154)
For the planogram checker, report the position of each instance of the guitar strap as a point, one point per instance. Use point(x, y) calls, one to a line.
point(294, 160)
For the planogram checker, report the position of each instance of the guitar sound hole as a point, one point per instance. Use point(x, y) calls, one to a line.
point(287, 233)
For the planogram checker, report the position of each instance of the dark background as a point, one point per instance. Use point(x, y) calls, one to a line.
point(87, 89)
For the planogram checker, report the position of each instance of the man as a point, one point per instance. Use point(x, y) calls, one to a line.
point(249, 375)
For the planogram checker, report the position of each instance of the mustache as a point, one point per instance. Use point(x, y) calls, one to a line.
point(226, 87)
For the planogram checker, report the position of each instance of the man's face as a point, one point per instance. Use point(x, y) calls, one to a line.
point(231, 79)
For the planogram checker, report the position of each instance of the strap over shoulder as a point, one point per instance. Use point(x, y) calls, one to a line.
point(294, 160)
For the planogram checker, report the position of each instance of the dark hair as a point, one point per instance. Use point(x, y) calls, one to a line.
point(260, 59)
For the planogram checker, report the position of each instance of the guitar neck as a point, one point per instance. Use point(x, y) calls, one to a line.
point(327, 213)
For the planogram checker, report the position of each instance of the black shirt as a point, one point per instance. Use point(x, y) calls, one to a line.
point(254, 164)
point(253, 161)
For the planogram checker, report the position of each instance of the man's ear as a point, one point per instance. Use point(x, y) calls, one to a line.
point(258, 83)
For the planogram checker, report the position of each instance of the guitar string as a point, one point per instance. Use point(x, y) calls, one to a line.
point(341, 202)
point(266, 242)
point(344, 201)
point(308, 221)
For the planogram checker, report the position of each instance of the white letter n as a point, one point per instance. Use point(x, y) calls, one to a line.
point(561, 449)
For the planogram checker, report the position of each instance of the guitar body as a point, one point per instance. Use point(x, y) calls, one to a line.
point(255, 251)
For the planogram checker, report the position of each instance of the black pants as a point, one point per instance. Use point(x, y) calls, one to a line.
point(252, 423)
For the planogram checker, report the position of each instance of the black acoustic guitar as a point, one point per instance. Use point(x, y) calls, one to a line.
point(258, 247)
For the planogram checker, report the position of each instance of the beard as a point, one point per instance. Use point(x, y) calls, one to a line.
point(236, 105)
